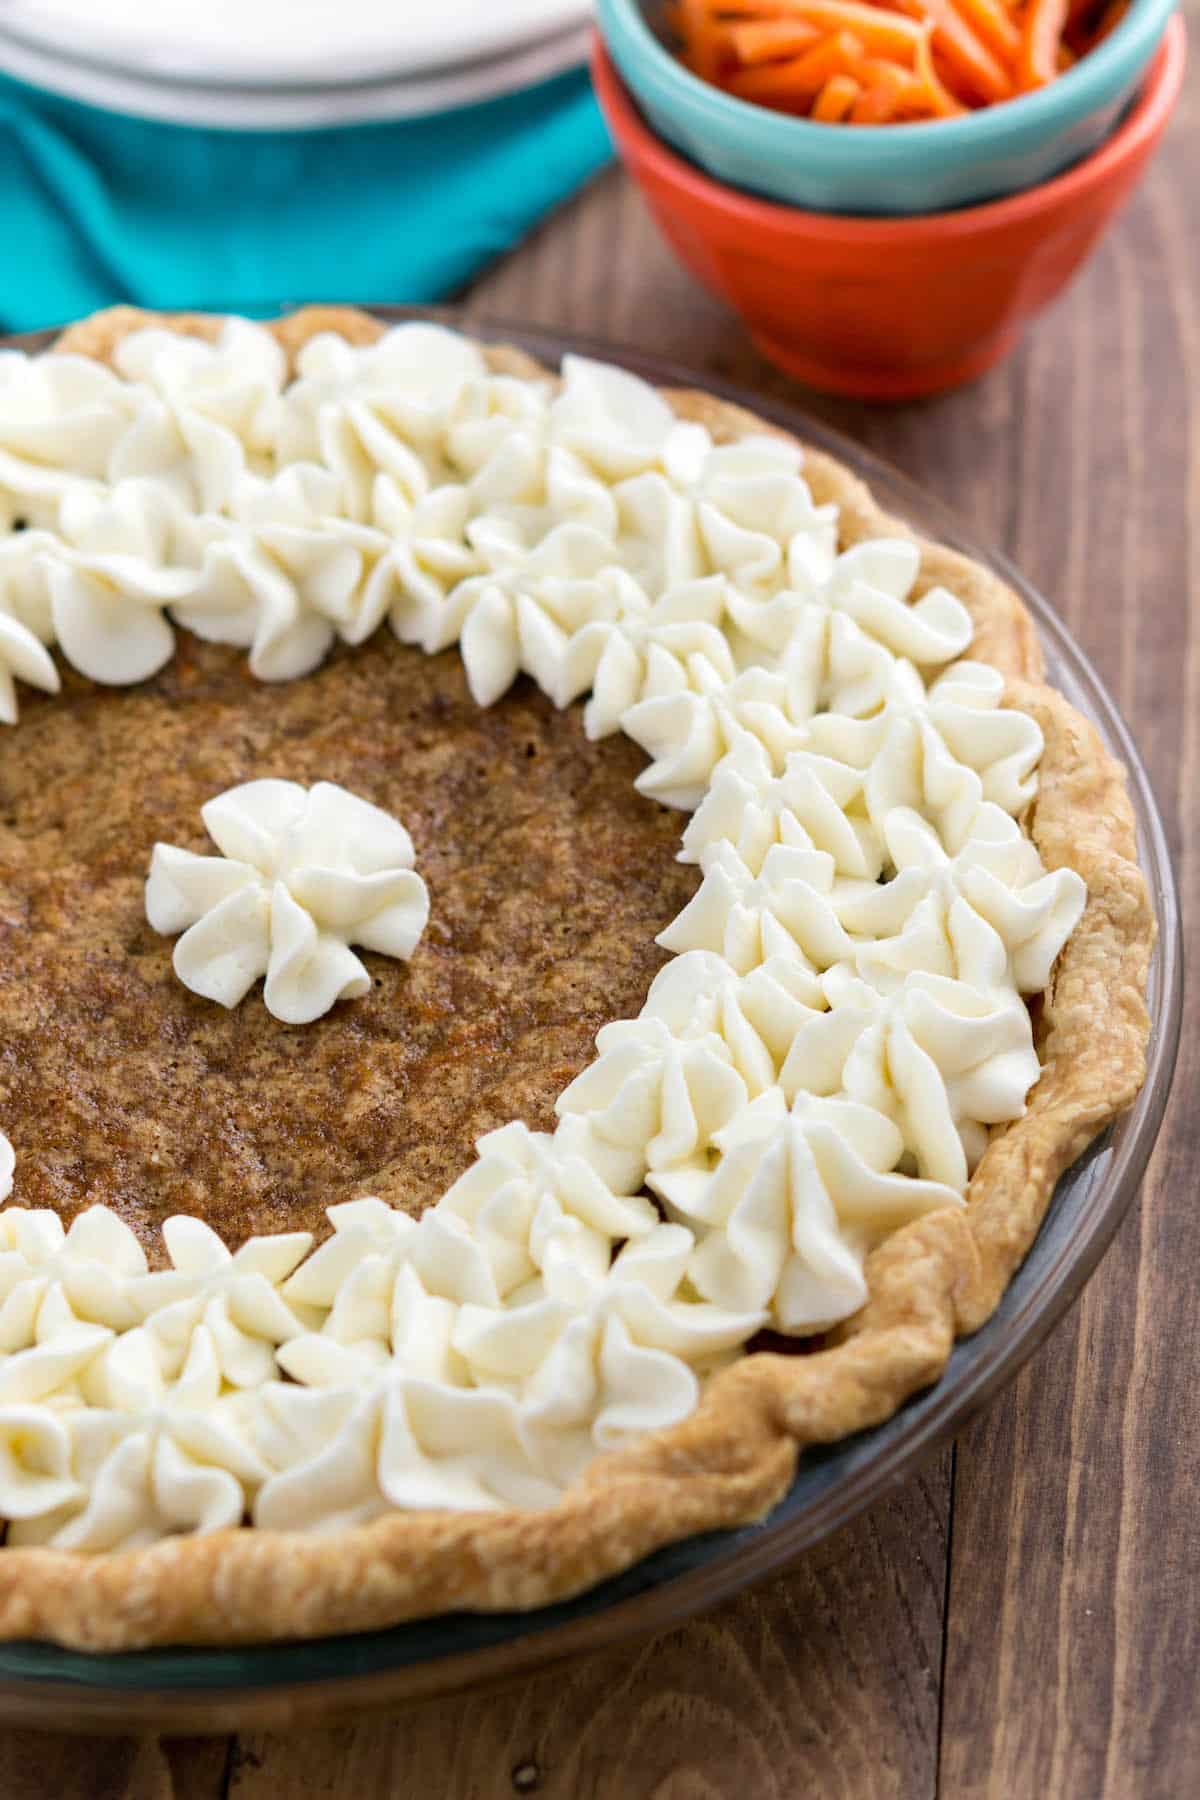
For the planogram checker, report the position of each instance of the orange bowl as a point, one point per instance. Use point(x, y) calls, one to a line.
point(888, 309)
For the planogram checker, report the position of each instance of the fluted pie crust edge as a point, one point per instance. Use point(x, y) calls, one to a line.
point(931, 1282)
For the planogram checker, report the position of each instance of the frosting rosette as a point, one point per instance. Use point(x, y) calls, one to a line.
point(647, 651)
point(787, 909)
point(381, 408)
point(816, 804)
point(304, 873)
point(288, 574)
point(797, 1199)
point(657, 1097)
point(233, 1299)
point(521, 615)
point(687, 735)
point(144, 1459)
point(941, 1058)
point(755, 1015)
point(207, 414)
point(620, 426)
point(89, 1267)
point(97, 589)
point(61, 418)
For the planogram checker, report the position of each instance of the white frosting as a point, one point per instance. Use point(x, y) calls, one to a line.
point(521, 615)
point(660, 1098)
point(304, 873)
point(688, 734)
point(233, 1299)
point(838, 1031)
point(97, 590)
point(620, 426)
point(235, 382)
point(23, 657)
point(207, 414)
point(793, 1206)
point(89, 1267)
point(648, 651)
point(747, 514)
point(816, 804)
point(144, 1459)
point(939, 1057)
point(61, 417)
point(786, 909)
point(289, 576)
point(383, 409)
point(756, 1015)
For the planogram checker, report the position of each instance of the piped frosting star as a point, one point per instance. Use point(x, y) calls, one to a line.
point(303, 874)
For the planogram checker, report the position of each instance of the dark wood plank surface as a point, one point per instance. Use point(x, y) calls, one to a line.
point(1022, 1619)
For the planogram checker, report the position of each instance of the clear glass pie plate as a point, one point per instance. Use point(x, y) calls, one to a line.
point(198, 1690)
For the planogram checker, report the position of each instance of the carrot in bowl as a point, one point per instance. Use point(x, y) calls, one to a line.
point(804, 76)
point(942, 103)
point(994, 25)
point(766, 40)
point(882, 32)
point(836, 99)
point(880, 100)
point(1041, 35)
point(882, 61)
point(962, 50)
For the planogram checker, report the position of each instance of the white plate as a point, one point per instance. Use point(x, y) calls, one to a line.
point(295, 108)
point(256, 43)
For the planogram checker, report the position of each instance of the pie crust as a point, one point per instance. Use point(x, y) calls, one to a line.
point(726, 1465)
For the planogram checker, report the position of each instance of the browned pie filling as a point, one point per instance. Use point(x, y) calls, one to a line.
point(548, 875)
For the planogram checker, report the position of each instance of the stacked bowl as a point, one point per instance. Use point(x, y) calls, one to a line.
point(892, 260)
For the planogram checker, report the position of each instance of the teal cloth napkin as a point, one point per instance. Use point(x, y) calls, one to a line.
point(100, 207)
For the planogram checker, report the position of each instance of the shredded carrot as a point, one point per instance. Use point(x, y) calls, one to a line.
point(835, 99)
point(881, 31)
point(767, 39)
point(972, 63)
point(1041, 34)
point(883, 61)
point(994, 26)
point(803, 77)
point(693, 22)
point(880, 101)
point(942, 103)
point(915, 99)
point(887, 89)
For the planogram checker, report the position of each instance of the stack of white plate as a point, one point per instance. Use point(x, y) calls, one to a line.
point(264, 65)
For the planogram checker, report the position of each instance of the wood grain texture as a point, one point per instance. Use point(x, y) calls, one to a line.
point(1022, 1619)
point(781, 1692)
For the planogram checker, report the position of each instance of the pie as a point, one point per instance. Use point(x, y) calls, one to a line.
point(676, 742)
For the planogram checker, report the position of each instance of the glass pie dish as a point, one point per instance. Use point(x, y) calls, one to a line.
point(270, 1686)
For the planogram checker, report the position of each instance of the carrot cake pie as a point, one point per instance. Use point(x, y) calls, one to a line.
point(525, 902)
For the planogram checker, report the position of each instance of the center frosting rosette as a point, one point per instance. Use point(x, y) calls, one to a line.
point(303, 875)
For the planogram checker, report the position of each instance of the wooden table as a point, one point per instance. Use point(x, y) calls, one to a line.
point(1021, 1619)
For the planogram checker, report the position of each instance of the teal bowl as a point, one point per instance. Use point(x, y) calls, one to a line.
point(882, 169)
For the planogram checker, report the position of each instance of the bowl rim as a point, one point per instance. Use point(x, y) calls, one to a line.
point(1145, 119)
point(988, 127)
